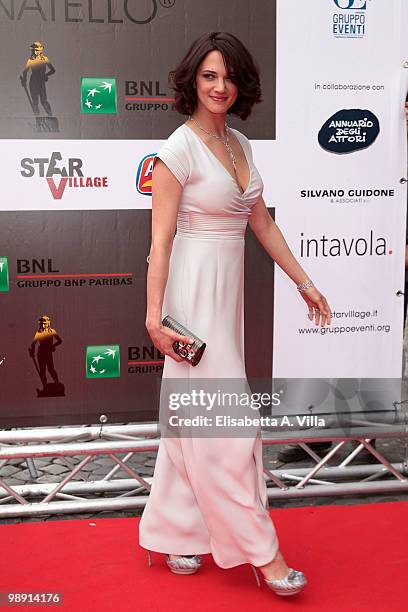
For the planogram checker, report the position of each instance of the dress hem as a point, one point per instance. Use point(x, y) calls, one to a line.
point(165, 552)
point(258, 563)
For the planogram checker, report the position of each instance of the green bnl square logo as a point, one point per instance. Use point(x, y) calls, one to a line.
point(103, 361)
point(4, 276)
point(98, 96)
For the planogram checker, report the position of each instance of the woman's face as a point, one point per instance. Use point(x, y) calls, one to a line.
point(215, 90)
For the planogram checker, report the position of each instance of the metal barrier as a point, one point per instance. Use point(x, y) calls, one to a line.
point(87, 442)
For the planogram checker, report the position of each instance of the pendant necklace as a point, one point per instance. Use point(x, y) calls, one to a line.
point(225, 141)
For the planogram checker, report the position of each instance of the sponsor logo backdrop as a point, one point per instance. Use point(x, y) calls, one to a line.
point(329, 141)
point(100, 68)
point(85, 105)
point(73, 302)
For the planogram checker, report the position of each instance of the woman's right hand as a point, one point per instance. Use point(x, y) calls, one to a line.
point(163, 339)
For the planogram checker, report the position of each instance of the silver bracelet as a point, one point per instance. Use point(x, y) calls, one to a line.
point(302, 286)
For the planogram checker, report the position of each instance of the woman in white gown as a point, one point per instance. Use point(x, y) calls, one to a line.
point(209, 496)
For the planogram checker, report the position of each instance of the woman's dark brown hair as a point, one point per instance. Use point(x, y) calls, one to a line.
point(239, 64)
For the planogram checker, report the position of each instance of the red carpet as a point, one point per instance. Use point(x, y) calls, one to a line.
point(355, 558)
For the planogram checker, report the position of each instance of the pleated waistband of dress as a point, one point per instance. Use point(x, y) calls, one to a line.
point(202, 225)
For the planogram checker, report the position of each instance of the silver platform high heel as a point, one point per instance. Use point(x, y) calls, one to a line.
point(292, 584)
point(182, 565)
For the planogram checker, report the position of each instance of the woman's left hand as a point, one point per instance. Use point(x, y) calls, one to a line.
point(319, 310)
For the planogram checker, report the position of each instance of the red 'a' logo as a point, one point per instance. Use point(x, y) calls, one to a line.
point(144, 175)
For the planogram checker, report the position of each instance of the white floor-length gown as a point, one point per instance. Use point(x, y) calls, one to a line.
point(209, 495)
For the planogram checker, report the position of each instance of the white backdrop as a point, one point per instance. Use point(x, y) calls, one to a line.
point(310, 57)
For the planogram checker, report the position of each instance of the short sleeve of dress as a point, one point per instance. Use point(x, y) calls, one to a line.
point(175, 154)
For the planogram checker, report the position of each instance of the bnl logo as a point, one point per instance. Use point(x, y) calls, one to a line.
point(144, 175)
point(4, 276)
point(355, 5)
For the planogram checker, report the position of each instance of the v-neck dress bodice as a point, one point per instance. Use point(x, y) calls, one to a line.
point(208, 493)
point(212, 203)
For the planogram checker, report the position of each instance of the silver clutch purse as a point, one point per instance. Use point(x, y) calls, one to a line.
point(190, 352)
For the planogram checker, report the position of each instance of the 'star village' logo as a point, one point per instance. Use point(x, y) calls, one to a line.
point(144, 175)
point(37, 71)
point(48, 339)
point(4, 276)
point(70, 174)
point(43, 273)
point(103, 361)
point(349, 130)
point(98, 96)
